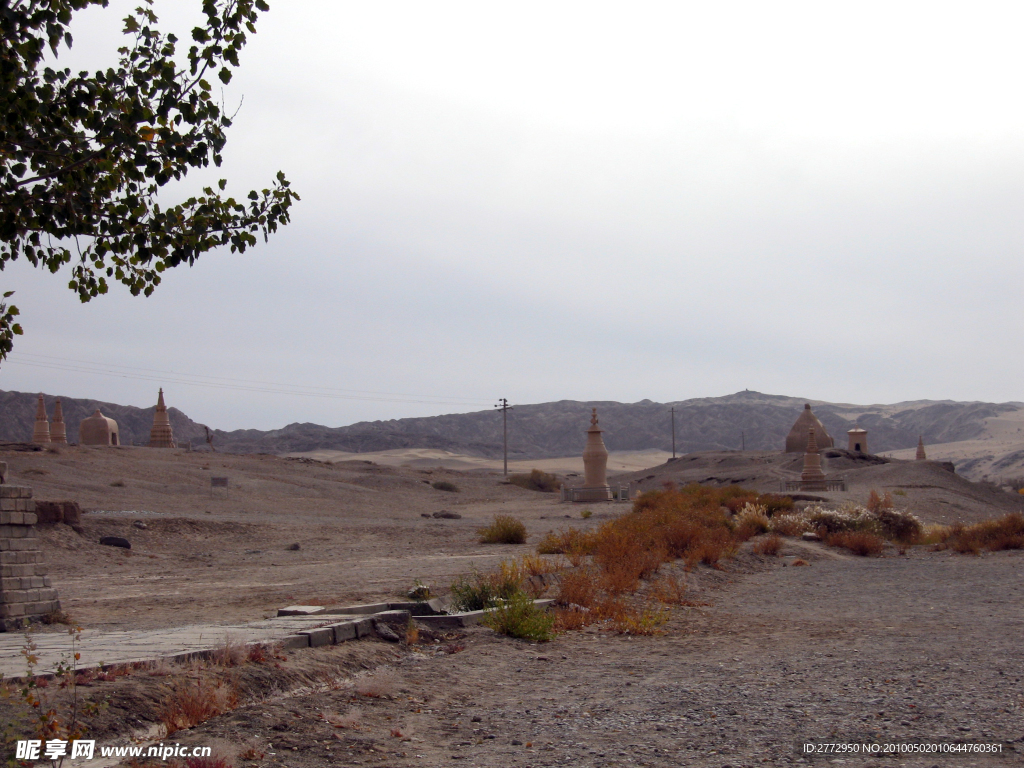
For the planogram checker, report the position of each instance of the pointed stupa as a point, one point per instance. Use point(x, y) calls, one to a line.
point(161, 435)
point(58, 430)
point(41, 429)
point(595, 465)
point(812, 476)
point(921, 456)
point(796, 440)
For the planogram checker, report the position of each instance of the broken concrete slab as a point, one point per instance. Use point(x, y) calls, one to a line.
point(300, 610)
point(319, 637)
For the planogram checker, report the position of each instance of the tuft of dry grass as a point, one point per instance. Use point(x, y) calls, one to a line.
point(858, 542)
point(571, 618)
point(190, 703)
point(1003, 533)
point(770, 545)
point(505, 529)
point(577, 587)
point(536, 480)
point(669, 590)
point(351, 720)
point(378, 685)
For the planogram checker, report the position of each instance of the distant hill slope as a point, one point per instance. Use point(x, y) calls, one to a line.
point(753, 419)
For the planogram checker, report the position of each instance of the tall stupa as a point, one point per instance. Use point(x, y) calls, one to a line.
point(41, 429)
point(595, 465)
point(58, 429)
point(161, 435)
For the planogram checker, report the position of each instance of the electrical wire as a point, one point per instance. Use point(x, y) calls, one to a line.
point(224, 382)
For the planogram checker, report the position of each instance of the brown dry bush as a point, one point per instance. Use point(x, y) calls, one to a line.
point(571, 618)
point(536, 480)
point(571, 543)
point(191, 703)
point(770, 545)
point(878, 503)
point(859, 542)
point(669, 590)
point(577, 587)
point(1006, 532)
point(505, 529)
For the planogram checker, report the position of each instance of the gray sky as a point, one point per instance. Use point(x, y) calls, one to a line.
point(546, 201)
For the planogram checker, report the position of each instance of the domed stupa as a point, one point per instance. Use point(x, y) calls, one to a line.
point(796, 441)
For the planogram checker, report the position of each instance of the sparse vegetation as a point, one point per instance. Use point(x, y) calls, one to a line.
point(859, 542)
point(536, 480)
point(117, 484)
point(585, 514)
point(444, 485)
point(190, 703)
point(519, 616)
point(504, 530)
point(1003, 533)
point(770, 545)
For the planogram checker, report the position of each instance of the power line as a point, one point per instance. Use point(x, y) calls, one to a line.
point(223, 382)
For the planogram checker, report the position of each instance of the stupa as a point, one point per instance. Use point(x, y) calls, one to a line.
point(98, 430)
point(796, 441)
point(41, 429)
point(812, 478)
point(161, 435)
point(921, 455)
point(58, 430)
point(595, 466)
point(858, 440)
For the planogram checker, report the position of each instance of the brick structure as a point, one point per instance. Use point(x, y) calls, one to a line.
point(58, 429)
point(41, 428)
point(858, 440)
point(161, 435)
point(921, 455)
point(595, 466)
point(25, 590)
point(796, 440)
point(812, 478)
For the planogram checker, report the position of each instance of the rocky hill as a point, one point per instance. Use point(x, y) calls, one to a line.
point(747, 419)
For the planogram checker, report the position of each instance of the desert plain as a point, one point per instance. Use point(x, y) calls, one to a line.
point(764, 655)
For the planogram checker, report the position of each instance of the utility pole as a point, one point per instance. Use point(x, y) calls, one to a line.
point(505, 408)
point(673, 431)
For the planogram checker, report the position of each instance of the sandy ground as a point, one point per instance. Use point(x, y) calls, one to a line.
point(431, 458)
point(896, 648)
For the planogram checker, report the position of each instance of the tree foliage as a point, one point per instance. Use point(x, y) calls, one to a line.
point(84, 156)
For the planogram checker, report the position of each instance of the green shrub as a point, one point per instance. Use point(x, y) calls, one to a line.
point(504, 530)
point(483, 590)
point(536, 481)
point(519, 616)
point(444, 485)
point(586, 513)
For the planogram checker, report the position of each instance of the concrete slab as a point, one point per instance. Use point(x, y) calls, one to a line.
point(300, 610)
point(319, 637)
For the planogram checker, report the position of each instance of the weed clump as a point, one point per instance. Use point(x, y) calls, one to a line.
point(536, 480)
point(519, 616)
point(504, 530)
point(859, 542)
point(770, 545)
point(1006, 532)
point(444, 485)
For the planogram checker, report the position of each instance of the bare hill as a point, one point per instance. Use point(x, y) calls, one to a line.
point(747, 419)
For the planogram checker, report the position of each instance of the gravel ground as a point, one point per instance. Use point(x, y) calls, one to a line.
point(895, 649)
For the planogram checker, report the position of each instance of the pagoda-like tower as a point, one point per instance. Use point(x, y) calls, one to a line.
point(921, 455)
point(161, 435)
point(812, 477)
point(595, 465)
point(41, 429)
point(58, 430)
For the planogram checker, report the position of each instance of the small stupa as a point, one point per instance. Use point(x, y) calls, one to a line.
point(41, 429)
point(812, 478)
point(921, 455)
point(858, 440)
point(796, 440)
point(595, 465)
point(161, 435)
point(58, 429)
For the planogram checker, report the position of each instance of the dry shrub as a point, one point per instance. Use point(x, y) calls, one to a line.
point(878, 503)
point(444, 485)
point(189, 704)
point(571, 618)
point(798, 561)
point(788, 525)
point(231, 653)
point(1006, 532)
point(899, 525)
point(770, 545)
point(775, 503)
point(669, 590)
point(859, 542)
point(504, 530)
point(483, 590)
point(213, 761)
point(751, 521)
point(536, 480)
point(350, 720)
point(736, 503)
point(378, 685)
point(646, 621)
point(711, 549)
point(577, 587)
point(412, 633)
point(568, 542)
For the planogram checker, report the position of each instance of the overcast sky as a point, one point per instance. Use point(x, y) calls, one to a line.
point(546, 201)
